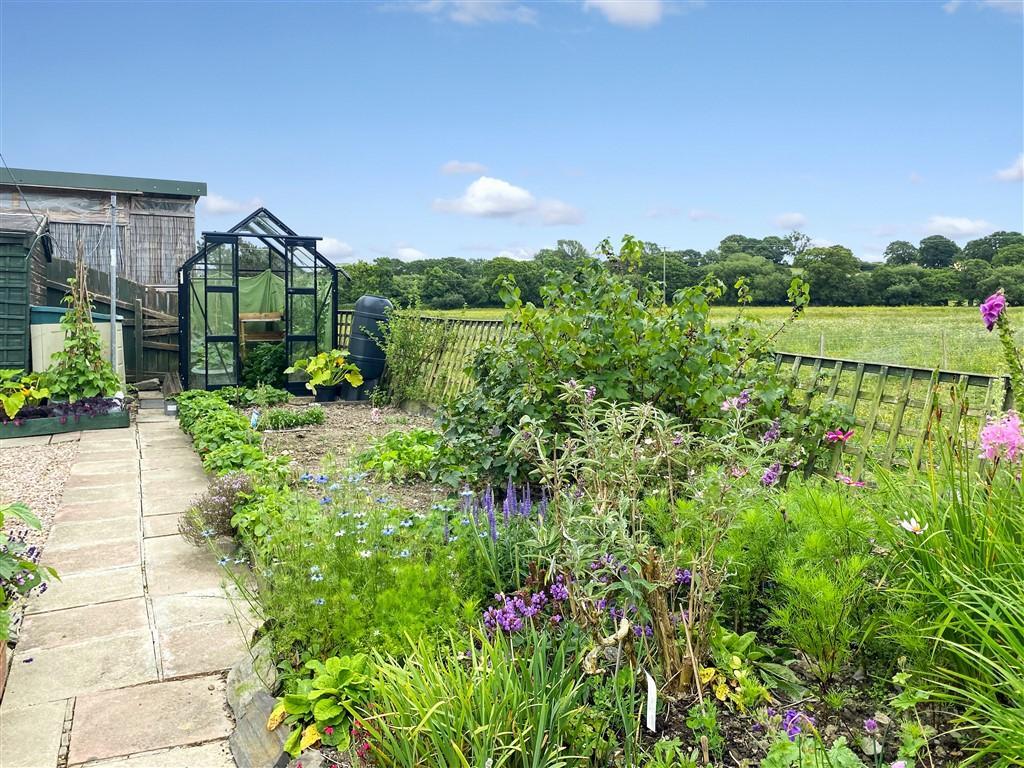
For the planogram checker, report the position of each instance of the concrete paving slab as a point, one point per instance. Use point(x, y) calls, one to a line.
point(86, 588)
point(65, 437)
point(124, 484)
point(126, 489)
point(148, 717)
point(174, 566)
point(108, 440)
point(96, 510)
point(183, 490)
point(93, 557)
point(160, 525)
point(82, 624)
point(198, 648)
point(164, 503)
point(121, 465)
point(184, 472)
point(172, 457)
point(66, 535)
point(30, 737)
point(125, 456)
point(216, 754)
point(48, 674)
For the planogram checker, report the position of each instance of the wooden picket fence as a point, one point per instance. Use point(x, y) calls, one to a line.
point(894, 408)
point(444, 377)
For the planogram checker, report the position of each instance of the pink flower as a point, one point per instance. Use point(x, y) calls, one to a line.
point(849, 480)
point(838, 436)
point(899, 764)
point(329, 730)
point(1003, 438)
point(992, 308)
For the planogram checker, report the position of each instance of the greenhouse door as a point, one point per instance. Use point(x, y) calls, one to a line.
point(310, 305)
point(212, 287)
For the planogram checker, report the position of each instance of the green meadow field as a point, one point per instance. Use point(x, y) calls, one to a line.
point(952, 338)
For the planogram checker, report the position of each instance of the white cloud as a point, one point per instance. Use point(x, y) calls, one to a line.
point(459, 166)
point(1015, 171)
point(820, 242)
point(952, 6)
point(217, 205)
point(519, 254)
point(555, 212)
point(629, 13)
point(663, 212)
point(335, 250)
point(492, 198)
point(698, 214)
point(472, 12)
point(408, 253)
point(956, 226)
point(791, 220)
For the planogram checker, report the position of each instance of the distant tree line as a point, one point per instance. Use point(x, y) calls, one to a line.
point(934, 272)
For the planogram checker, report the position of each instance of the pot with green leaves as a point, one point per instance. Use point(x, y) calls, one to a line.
point(325, 372)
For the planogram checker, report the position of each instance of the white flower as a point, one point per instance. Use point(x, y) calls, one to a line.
point(913, 526)
point(366, 553)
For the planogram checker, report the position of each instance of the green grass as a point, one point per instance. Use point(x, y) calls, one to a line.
point(951, 338)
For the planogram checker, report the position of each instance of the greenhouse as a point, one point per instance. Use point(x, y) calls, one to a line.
point(256, 290)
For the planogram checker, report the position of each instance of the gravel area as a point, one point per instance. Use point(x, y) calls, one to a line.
point(34, 475)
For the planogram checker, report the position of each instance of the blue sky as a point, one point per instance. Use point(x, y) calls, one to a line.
point(473, 129)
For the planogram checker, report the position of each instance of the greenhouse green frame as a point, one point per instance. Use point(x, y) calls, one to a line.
point(297, 283)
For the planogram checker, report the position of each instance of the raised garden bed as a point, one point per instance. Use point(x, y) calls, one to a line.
point(55, 418)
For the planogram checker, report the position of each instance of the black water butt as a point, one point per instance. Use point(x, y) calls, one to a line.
point(363, 350)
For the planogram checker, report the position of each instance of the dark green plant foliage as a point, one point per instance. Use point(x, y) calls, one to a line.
point(290, 418)
point(222, 437)
point(608, 328)
point(18, 574)
point(260, 396)
point(265, 364)
point(80, 369)
point(410, 342)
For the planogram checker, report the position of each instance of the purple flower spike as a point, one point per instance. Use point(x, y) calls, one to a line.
point(771, 475)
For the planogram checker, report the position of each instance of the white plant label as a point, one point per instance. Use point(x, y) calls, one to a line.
point(652, 701)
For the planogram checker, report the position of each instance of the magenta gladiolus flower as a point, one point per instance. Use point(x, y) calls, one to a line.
point(838, 436)
point(1003, 438)
point(992, 308)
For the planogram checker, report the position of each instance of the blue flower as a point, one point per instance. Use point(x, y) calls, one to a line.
point(339, 533)
point(208, 533)
point(382, 499)
point(404, 553)
point(388, 530)
point(224, 561)
point(305, 477)
point(323, 479)
point(319, 601)
point(407, 523)
point(343, 515)
point(326, 500)
point(334, 487)
point(464, 521)
point(361, 526)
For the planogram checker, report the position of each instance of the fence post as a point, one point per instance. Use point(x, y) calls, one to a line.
point(821, 345)
point(140, 330)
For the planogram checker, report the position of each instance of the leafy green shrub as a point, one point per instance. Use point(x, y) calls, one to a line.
point(224, 438)
point(323, 707)
point(260, 396)
point(18, 389)
point(609, 330)
point(400, 456)
point(265, 364)
point(290, 418)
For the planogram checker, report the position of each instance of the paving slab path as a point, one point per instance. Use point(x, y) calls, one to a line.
point(121, 663)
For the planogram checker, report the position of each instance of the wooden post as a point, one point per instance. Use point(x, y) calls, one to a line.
point(821, 345)
point(140, 332)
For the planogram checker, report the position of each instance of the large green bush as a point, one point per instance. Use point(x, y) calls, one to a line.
point(609, 330)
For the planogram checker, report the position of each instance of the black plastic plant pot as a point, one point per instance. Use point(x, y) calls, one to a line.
point(326, 394)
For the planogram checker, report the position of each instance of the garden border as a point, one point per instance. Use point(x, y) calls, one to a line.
point(51, 425)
